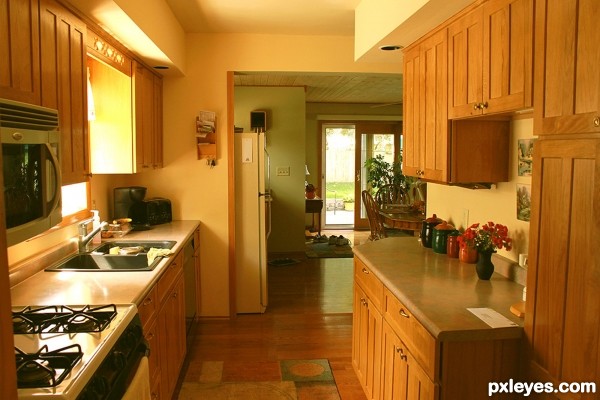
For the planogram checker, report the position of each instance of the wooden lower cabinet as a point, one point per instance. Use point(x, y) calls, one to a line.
point(171, 338)
point(162, 312)
point(402, 376)
point(395, 357)
point(366, 347)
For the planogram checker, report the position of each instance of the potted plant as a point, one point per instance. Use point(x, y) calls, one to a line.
point(381, 173)
point(485, 239)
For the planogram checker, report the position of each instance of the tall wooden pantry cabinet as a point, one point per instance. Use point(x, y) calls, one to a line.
point(561, 323)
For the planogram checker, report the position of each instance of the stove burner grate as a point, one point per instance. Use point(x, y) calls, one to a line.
point(63, 319)
point(45, 368)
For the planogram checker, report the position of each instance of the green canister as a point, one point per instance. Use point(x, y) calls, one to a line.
point(440, 237)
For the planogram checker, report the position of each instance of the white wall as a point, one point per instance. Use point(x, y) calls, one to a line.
point(497, 204)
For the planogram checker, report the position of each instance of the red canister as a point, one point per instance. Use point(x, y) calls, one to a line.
point(452, 245)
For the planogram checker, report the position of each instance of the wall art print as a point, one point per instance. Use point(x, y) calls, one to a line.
point(523, 202)
point(525, 152)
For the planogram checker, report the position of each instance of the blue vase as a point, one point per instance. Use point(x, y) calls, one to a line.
point(484, 266)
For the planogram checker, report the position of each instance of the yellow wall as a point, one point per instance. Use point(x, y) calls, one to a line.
point(196, 190)
point(497, 204)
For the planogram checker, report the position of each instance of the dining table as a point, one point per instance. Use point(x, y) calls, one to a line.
point(400, 218)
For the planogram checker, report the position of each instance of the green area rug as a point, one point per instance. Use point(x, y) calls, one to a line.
point(326, 250)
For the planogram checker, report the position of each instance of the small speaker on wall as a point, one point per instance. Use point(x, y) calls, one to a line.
point(258, 121)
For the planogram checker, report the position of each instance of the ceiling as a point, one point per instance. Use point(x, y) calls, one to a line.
point(292, 17)
point(375, 89)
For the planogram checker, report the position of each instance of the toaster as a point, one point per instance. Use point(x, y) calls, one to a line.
point(151, 211)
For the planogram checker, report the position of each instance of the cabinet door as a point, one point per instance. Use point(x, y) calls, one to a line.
point(158, 122)
point(64, 85)
point(402, 377)
point(434, 109)
point(366, 347)
point(507, 55)
point(411, 154)
point(567, 76)
point(425, 153)
point(561, 320)
point(171, 335)
point(144, 108)
point(20, 51)
point(465, 65)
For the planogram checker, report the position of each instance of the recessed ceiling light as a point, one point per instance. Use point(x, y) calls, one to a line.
point(161, 67)
point(391, 47)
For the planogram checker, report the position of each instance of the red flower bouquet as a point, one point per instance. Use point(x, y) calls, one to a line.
point(486, 238)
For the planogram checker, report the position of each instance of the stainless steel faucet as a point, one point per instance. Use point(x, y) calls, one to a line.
point(84, 236)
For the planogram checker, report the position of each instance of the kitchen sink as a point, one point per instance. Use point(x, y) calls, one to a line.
point(142, 246)
point(100, 260)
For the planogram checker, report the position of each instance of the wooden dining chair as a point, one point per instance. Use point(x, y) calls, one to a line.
point(375, 221)
point(390, 196)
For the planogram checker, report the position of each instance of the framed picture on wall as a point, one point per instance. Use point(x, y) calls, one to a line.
point(523, 201)
point(525, 152)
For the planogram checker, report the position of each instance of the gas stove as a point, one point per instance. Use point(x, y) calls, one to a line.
point(68, 352)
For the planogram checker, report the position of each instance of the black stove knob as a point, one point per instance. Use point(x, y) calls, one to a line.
point(118, 360)
point(100, 386)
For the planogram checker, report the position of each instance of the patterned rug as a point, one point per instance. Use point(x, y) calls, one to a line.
point(326, 250)
point(277, 380)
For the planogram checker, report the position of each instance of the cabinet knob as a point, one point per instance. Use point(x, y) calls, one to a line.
point(403, 313)
point(597, 122)
point(366, 271)
point(476, 106)
point(400, 351)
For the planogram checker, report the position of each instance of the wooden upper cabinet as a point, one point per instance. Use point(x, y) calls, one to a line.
point(490, 59)
point(425, 153)
point(64, 85)
point(561, 319)
point(19, 51)
point(148, 118)
point(567, 57)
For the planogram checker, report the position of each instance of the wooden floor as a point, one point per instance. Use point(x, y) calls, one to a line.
point(309, 317)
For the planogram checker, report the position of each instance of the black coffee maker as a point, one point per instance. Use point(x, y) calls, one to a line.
point(125, 198)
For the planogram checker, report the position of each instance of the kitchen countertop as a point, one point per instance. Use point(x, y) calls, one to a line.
point(80, 288)
point(438, 289)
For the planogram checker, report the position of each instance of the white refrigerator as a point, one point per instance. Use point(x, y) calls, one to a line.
point(252, 221)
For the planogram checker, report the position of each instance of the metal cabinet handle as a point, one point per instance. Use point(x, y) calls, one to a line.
point(403, 313)
point(476, 106)
point(366, 271)
point(483, 105)
point(597, 122)
point(400, 351)
point(147, 301)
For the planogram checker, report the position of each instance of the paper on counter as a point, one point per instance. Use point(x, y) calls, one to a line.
point(492, 318)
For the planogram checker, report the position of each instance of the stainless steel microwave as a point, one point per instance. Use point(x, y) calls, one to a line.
point(30, 168)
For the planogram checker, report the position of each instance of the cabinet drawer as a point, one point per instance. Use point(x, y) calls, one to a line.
point(147, 308)
point(172, 272)
point(419, 341)
point(368, 282)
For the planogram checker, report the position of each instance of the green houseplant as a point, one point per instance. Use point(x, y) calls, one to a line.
point(381, 173)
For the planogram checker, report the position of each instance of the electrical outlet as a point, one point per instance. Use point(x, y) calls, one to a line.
point(283, 171)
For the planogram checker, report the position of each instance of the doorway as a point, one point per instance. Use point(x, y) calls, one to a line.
point(372, 139)
point(346, 148)
point(338, 178)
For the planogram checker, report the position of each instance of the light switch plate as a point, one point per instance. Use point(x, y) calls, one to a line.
point(283, 171)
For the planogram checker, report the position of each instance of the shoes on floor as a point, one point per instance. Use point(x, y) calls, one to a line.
point(333, 239)
point(342, 241)
point(321, 239)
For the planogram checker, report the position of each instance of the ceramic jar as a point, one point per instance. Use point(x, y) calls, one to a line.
point(427, 230)
point(440, 237)
point(467, 254)
point(452, 245)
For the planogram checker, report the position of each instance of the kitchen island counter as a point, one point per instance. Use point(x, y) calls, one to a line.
point(438, 289)
point(73, 288)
